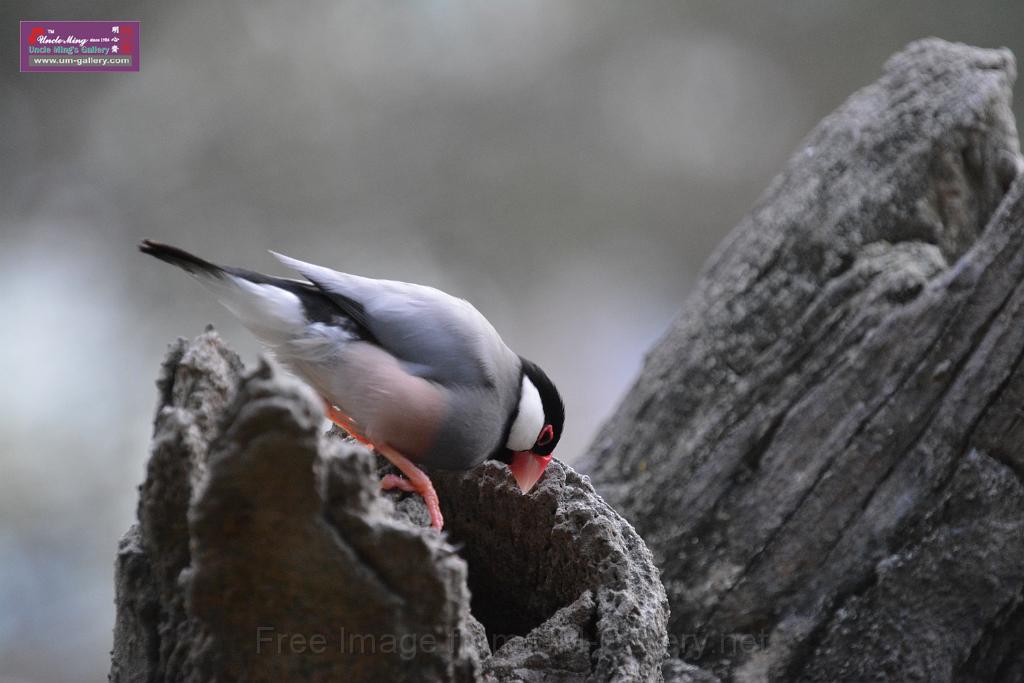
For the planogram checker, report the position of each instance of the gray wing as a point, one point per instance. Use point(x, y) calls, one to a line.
point(435, 335)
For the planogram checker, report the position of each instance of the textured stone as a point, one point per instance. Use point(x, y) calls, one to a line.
point(797, 451)
point(265, 552)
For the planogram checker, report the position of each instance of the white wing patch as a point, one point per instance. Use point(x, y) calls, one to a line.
point(273, 314)
point(529, 421)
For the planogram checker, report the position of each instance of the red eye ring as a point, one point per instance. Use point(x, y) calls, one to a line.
point(546, 435)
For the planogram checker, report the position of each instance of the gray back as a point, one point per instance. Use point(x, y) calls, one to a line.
point(435, 335)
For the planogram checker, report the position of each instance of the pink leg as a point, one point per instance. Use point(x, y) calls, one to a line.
point(345, 422)
point(418, 481)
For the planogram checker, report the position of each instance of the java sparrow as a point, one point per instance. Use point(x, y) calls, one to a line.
point(418, 374)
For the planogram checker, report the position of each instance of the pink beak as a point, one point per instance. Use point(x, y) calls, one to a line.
point(527, 468)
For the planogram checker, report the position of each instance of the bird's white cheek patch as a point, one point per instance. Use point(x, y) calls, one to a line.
point(529, 420)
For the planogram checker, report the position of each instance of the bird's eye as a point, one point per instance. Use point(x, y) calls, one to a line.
point(546, 435)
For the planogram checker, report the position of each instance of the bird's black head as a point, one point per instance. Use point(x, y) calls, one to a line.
point(534, 427)
point(554, 410)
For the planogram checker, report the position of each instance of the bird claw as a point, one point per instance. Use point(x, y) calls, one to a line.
point(433, 508)
point(416, 480)
point(427, 493)
point(393, 481)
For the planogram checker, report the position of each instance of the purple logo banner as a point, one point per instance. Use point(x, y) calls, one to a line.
point(79, 46)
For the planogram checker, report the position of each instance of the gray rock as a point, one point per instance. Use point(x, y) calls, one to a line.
point(823, 451)
point(265, 552)
point(678, 671)
point(556, 575)
point(969, 546)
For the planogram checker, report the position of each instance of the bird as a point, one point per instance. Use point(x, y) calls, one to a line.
point(419, 375)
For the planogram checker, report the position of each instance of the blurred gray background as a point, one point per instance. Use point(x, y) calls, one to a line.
point(566, 166)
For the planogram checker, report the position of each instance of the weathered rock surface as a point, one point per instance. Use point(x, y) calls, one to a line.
point(823, 452)
point(556, 576)
point(264, 552)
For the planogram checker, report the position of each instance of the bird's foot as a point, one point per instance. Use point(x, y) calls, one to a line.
point(393, 481)
point(416, 481)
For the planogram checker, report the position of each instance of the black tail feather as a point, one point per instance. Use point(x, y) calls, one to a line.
point(318, 306)
point(180, 258)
